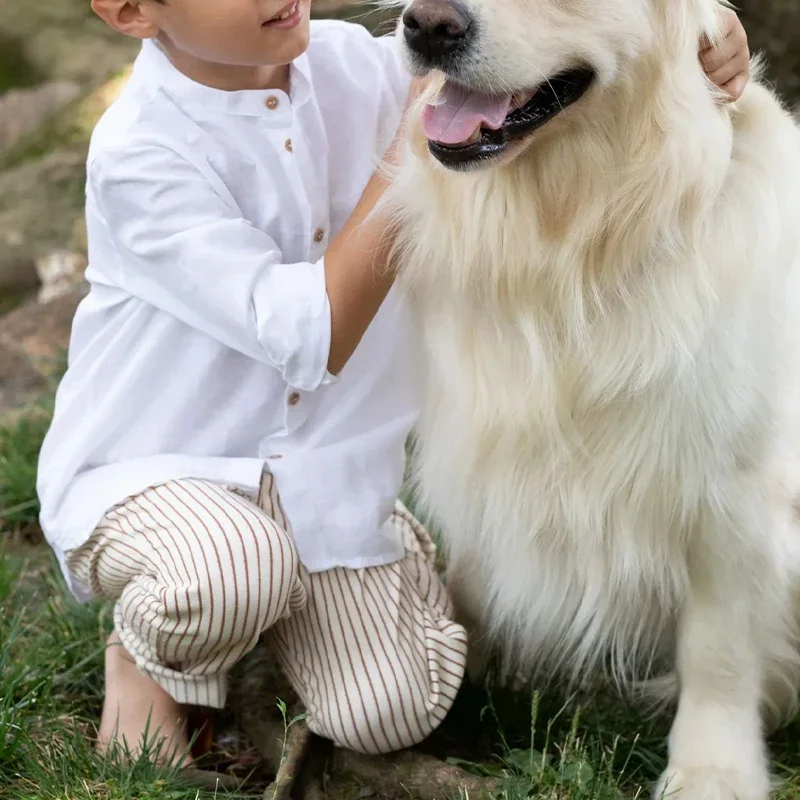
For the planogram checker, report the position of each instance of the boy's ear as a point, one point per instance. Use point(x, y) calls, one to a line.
point(126, 16)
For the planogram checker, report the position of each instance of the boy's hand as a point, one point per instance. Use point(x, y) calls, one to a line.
point(727, 64)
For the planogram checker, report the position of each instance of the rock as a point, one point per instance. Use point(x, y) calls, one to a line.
point(60, 273)
point(20, 381)
point(18, 277)
point(24, 109)
point(39, 332)
point(64, 40)
point(33, 343)
point(41, 212)
point(42, 196)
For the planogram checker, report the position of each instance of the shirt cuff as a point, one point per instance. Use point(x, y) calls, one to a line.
point(328, 379)
point(293, 315)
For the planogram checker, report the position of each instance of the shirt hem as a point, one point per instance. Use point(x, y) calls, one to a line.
point(86, 503)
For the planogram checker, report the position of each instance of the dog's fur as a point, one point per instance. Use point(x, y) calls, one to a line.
point(610, 325)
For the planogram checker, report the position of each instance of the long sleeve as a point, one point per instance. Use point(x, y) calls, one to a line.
point(187, 250)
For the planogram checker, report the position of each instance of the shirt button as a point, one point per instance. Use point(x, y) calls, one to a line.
point(288, 145)
point(271, 102)
point(294, 398)
point(319, 235)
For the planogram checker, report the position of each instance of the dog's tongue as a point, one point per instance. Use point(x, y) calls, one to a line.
point(457, 112)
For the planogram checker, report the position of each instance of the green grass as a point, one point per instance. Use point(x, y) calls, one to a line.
point(588, 748)
point(51, 658)
point(19, 450)
point(21, 437)
point(51, 655)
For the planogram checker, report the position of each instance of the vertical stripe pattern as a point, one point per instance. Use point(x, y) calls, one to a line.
point(375, 655)
point(198, 572)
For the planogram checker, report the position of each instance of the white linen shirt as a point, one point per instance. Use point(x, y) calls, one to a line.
point(202, 346)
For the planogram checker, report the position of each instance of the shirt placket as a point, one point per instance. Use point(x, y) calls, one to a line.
point(292, 150)
point(312, 168)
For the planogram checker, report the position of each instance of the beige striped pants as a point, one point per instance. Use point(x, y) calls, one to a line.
point(199, 571)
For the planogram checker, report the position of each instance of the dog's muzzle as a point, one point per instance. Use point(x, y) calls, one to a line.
point(437, 32)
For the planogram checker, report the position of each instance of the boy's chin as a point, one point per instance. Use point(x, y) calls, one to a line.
point(292, 44)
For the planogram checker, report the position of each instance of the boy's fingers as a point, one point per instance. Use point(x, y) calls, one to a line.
point(733, 40)
point(713, 58)
point(735, 88)
point(738, 66)
point(731, 27)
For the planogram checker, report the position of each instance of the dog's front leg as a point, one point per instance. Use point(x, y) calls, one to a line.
point(717, 749)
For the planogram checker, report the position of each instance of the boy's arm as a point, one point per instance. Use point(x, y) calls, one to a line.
point(357, 274)
point(357, 267)
point(186, 249)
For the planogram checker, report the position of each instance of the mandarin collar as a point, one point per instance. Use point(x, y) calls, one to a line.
point(156, 67)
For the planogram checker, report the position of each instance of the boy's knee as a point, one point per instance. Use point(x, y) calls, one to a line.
point(253, 573)
point(236, 581)
point(380, 722)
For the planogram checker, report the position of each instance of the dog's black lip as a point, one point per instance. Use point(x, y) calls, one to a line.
point(551, 98)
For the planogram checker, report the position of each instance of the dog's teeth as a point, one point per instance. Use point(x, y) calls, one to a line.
point(521, 98)
point(476, 136)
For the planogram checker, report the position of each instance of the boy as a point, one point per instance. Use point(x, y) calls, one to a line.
point(228, 442)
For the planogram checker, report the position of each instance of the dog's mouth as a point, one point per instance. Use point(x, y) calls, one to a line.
point(465, 129)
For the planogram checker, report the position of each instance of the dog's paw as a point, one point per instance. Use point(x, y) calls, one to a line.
point(709, 783)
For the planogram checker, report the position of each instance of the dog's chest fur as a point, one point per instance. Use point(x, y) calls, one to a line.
point(584, 473)
point(576, 431)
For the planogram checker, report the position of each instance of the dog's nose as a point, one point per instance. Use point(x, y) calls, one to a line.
point(436, 28)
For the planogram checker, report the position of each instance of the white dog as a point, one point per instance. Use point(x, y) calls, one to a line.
point(605, 266)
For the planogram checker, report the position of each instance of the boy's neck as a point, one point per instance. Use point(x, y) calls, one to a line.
point(227, 77)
